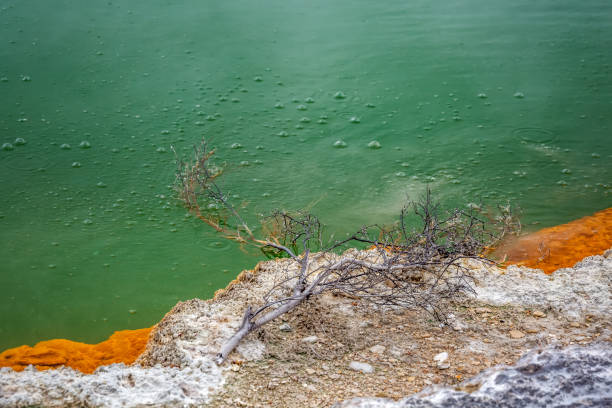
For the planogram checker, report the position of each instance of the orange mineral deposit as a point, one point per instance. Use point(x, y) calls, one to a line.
point(562, 246)
point(122, 347)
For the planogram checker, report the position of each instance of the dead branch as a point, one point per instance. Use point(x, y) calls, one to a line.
point(407, 268)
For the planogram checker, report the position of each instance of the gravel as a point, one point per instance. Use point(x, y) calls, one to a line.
point(570, 377)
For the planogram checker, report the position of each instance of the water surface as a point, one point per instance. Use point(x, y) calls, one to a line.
point(482, 100)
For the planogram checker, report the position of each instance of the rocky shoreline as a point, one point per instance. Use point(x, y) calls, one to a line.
point(335, 348)
point(553, 377)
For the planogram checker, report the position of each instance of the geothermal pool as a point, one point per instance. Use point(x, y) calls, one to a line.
point(341, 107)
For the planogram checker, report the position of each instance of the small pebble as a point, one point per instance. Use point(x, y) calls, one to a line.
point(516, 334)
point(363, 367)
point(285, 327)
point(378, 349)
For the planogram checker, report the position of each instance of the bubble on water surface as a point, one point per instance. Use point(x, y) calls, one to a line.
point(309, 100)
point(244, 163)
point(236, 146)
point(20, 141)
point(519, 95)
point(370, 105)
point(87, 221)
point(535, 135)
point(340, 144)
point(257, 79)
point(566, 171)
point(301, 107)
point(374, 144)
point(101, 185)
point(400, 174)
point(595, 155)
point(217, 245)
point(279, 105)
point(282, 133)
point(160, 150)
point(76, 164)
point(305, 120)
point(7, 147)
point(84, 144)
point(339, 95)
point(354, 119)
point(482, 95)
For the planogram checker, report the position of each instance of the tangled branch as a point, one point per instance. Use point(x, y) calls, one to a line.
point(418, 267)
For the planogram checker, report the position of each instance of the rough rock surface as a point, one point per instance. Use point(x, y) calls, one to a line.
point(570, 377)
point(116, 385)
point(582, 290)
point(177, 369)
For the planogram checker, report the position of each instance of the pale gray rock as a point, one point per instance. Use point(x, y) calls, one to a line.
point(441, 360)
point(285, 327)
point(363, 367)
point(378, 349)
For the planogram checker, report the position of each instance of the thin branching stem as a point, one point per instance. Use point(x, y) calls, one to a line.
point(418, 269)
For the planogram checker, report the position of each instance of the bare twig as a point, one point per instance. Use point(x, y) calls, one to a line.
point(408, 269)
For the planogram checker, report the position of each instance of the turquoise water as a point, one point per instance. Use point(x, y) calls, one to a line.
point(481, 100)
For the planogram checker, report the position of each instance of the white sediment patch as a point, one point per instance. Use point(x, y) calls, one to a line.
point(116, 385)
point(584, 289)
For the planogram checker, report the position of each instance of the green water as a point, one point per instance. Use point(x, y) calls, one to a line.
point(480, 99)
